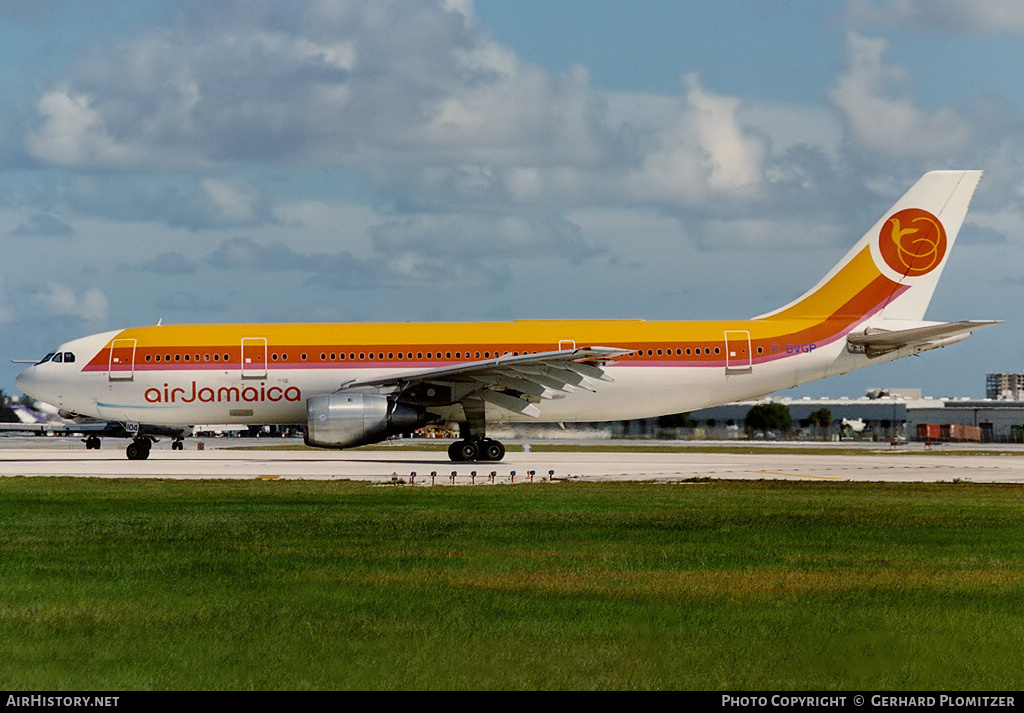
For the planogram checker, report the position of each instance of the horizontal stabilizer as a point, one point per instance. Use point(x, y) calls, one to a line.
point(875, 341)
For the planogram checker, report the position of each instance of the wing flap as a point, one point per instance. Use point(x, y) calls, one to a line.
point(539, 377)
point(512, 403)
point(525, 386)
point(569, 378)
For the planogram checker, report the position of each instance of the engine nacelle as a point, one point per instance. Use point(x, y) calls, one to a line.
point(344, 420)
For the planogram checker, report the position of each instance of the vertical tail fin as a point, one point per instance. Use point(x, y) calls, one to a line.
point(894, 268)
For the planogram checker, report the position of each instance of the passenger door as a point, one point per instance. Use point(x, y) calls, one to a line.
point(122, 360)
point(738, 357)
point(254, 357)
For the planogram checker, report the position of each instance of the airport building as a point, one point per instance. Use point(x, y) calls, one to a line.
point(882, 414)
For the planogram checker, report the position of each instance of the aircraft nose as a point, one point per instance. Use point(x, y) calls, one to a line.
point(26, 381)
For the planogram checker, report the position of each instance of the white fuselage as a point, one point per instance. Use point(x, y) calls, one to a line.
point(188, 396)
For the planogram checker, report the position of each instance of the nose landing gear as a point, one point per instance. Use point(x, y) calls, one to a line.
point(138, 449)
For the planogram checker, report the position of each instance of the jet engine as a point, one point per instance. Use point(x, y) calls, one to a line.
point(344, 420)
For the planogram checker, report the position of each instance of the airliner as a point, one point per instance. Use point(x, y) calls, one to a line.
point(355, 384)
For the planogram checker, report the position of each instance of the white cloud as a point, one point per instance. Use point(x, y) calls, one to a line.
point(768, 234)
point(235, 201)
point(59, 300)
point(481, 236)
point(733, 156)
point(74, 133)
point(463, 6)
point(188, 200)
point(706, 151)
point(43, 225)
point(367, 80)
point(439, 115)
point(886, 124)
point(960, 16)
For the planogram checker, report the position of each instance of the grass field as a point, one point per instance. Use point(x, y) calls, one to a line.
point(336, 585)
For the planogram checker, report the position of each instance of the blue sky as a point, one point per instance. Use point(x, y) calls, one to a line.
point(389, 160)
point(742, 47)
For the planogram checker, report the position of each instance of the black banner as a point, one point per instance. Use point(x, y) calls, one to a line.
point(738, 701)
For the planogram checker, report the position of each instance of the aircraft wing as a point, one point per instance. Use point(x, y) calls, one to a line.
point(514, 382)
point(875, 341)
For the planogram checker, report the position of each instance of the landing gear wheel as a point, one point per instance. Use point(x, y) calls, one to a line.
point(138, 450)
point(453, 452)
point(178, 445)
point(491, 449)
point(465, 450)
point(469, 450)
point(92, 443)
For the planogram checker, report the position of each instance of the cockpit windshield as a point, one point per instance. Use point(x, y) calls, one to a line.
point(58, 357)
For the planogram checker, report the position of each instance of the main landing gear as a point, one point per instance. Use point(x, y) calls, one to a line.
point(92, 443)
point(473, 444)
point(472, 449)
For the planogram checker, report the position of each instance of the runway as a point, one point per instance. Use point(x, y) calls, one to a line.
point(224, 460)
